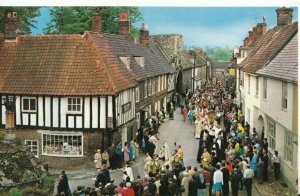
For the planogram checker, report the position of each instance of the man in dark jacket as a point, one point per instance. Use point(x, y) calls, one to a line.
point(193, 186)
point(266, 163)
point(236, 180)
point(225, 186)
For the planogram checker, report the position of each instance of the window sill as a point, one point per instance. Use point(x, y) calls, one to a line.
point(60, 155)
point(284, 109)
point(29, 111)
point(287, 163)
point(70, 112)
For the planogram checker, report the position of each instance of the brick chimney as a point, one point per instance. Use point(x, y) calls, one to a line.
point(12, 27)
point(261, 27)
point(250, 35)
point(284, 16)
point(144, 35)
point(246, 41)
point(96, 23)
point(124, 25)
point(254, 32)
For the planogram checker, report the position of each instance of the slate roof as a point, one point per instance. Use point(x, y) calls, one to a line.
point(220, 65)
point(155, 62)
point(285, 65)
point(52, 65)
point(187, 59)
point(266, 47)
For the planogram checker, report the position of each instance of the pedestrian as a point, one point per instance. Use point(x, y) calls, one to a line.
point(193, 186)
point(98, 159)
point(206, 158)
point(62, 187)
point(184, 112)
point(118, 153)
point(266, 163)
point(248, 175)
point(112, 158)
point(105, 159)
point(171, 112)
point(218, 180)
point(126, 152)
point(136, 150)
point(131, 149)
point(147, 163)
point(128, 170)
point(260, 170)
point(201, 183)
point(236, 180)
point(254, 161)
point(225, 186)
point(276, 165)
point(185, 184)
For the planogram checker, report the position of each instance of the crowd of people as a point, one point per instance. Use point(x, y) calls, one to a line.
point(229, 153)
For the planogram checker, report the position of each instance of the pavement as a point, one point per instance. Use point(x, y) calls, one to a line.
point(171, 131)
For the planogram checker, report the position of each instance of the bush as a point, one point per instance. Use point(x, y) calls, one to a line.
point(16, 192)
point(49, 182)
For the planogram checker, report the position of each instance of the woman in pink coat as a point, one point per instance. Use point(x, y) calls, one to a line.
point(126, 152)
point(184, 112)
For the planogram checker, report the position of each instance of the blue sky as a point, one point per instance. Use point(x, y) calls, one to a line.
point(200, 26)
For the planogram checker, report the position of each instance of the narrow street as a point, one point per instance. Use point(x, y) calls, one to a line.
point(171, 131)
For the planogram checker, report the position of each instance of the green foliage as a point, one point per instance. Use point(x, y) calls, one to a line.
point(27, 17)
point(76, 20)
point(16, 192)
point(219, 54)
point(48, 182)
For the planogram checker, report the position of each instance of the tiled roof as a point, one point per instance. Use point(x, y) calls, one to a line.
point(267, 46)
point(52, 65)
point(285, 65)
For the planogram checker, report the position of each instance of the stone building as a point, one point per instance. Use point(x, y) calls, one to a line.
point(182, 60)
point(268, 88)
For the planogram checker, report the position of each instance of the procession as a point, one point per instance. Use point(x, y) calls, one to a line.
point(230, 155)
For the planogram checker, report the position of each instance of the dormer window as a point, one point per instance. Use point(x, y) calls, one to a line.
point(140, 60)
point(126, 61)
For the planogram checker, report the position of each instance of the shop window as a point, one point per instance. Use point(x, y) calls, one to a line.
point(62, 145)
point(29, 104)
point(33, 147)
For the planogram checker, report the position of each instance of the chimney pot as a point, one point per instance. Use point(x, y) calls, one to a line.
point(96, 23)
point(144, 35)
point(284, 16)
point(11, 25)
point(124, 25)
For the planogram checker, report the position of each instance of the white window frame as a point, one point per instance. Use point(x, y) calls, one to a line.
point(153, 86)
point(126, 61)
point(265, 88)
point(149, 85)
point(284, 97)
point(158, 85)
point(76, 105)
point(137, 94)
point(29, 105)
point(30, 145)
point(289, 147)
point(257, 86)
point(138, 123)
point(56, 145)
point(145, 89)
point(249, 78)
point(271, 134)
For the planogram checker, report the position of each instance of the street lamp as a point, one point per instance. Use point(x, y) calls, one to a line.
point(194, 69)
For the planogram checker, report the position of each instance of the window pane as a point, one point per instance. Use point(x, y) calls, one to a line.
point(73, 107)
point(32, 104)
point(25, 104)
point(78, 108)
point(78, 101)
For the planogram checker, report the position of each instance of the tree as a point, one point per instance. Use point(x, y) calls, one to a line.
point(27, 17)
point(76, 20)
point(219, 54)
